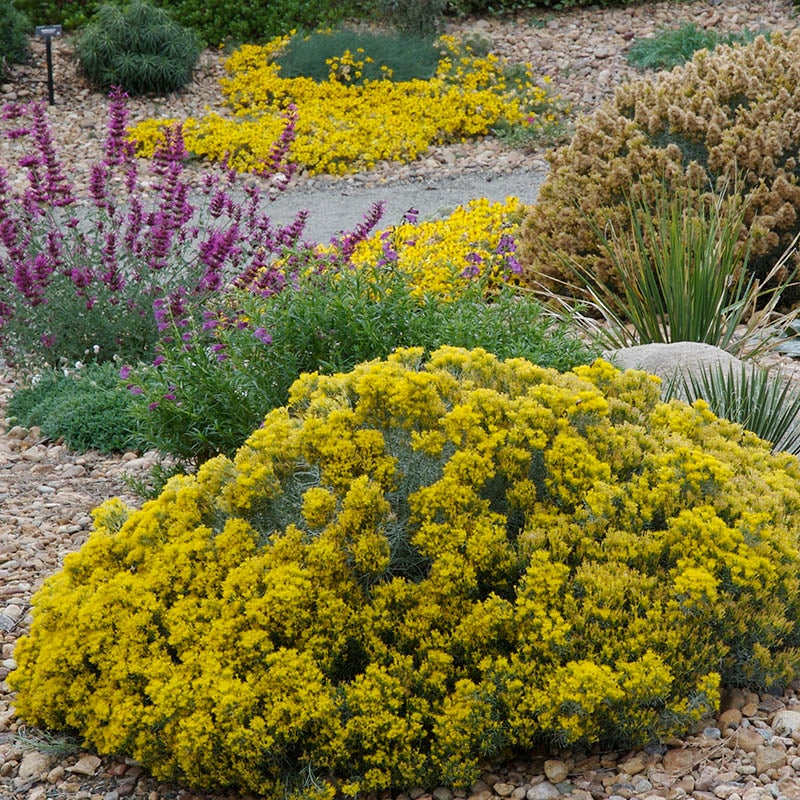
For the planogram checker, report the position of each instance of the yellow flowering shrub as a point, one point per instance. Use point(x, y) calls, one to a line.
point(476, 241)
point(344, 126)
point(417, 565)
point(728, 118)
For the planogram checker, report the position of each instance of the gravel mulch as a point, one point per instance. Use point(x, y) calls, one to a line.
point(750, 752)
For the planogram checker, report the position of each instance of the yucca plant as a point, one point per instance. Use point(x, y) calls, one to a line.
point(684, 277)
point(763, 400)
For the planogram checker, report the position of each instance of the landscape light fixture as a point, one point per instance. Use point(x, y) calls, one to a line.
point(47, 32)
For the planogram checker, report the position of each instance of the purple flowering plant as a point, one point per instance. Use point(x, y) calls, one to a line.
point(109, 275)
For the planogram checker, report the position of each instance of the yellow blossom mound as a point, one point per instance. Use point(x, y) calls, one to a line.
point(345, 126)
point(417, 565)
point(727, 119)
point(477, 242)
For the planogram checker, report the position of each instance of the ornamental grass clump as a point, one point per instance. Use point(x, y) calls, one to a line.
point(730, 118)
point(680, 274)
point(345, 125)
point(419, 565)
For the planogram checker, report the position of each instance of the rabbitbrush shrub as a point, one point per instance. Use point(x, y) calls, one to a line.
point(731, 117)
point(416, 565)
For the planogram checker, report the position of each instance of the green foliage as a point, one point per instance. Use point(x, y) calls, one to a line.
point(234, 22)
point(86, 406)
point(72, 14)
point(675, 46)
point(726, 118)
point(415, 17)
point(684, 278)
point(760, 399)
point(138, 47)
point(416, 566)
point(401, 57)
point(207, 399)
point(15, 27)
point(215, 21)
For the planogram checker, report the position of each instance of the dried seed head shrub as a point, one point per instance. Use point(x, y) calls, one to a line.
point(416, 565)
point(727, 118)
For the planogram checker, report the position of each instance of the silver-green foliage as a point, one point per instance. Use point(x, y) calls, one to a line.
point(138, 47)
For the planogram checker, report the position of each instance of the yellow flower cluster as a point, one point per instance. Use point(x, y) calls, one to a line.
point(419, 564)
point(345, 125)
point(476, 242)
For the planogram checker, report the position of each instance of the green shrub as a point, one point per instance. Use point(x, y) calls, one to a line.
point(72, 14)
point(230, 21)
point(205, 399)
point(15, 27)
point(87, 407)
point(733, 112)
point(215, 21)
point(675, 46)
point(417, 565)
point(138, 47)
point(415, 17)
point(402, 57)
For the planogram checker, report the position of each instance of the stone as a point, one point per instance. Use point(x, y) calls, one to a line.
point(730, 718)
point(785, 722)
point(86, 765)
point(670, 361)
point(34, 765)
point(733, 698)
point(747, 739)
point(543, 791)
point(556, 771)
point(770, 703)
point(633, 766)
point(501, 789)
point(768, 758)
point(680, 761)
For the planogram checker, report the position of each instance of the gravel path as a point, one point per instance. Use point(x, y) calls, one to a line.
point(46, 492)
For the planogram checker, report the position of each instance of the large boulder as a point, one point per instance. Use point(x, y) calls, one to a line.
point(673, 361)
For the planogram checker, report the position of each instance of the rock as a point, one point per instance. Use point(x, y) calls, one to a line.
point(785, 722)
point(733, 698)
point(633, 766)
point(768, 758)
point(670, 361)
point(747, 739)
point(86, 765)
point(502, 789)
point(731, 718)
point(34, 765)
point(680, 761)
point(443, 793)
point(543, 791)
point(770, 704)
point(556, 771)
